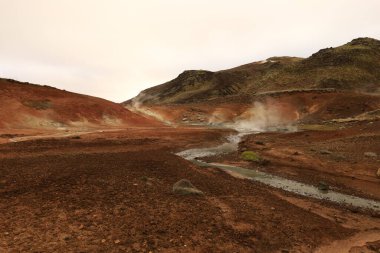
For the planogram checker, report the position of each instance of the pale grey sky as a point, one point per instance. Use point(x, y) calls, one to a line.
point(115, 48)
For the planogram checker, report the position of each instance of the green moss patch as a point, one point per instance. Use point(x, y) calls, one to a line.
point(250, 156)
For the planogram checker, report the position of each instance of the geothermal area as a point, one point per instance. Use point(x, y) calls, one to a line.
point(281, 155)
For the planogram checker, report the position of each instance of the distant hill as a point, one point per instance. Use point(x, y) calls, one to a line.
point(352, 67)
point(25, 105)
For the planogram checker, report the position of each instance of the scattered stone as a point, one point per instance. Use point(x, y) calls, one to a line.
point(296, 153)
point(325, 152)
point(323, 186)
point(339, 156)
point(65, 237)
point(185, 187)
point(117, 241)
point(136, 246)
point(370, 154)
point(378, 173)
point(264, 162)
point(103, 240)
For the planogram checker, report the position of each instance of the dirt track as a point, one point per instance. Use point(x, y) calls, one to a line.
point(111, 192)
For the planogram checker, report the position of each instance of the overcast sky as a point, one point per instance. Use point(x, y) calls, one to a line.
point(115, 48)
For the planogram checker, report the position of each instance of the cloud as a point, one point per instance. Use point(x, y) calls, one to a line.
point(113, 49)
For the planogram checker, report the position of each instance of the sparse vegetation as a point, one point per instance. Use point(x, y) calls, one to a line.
point(38, 104)
point(318, 127)
point(250, 156)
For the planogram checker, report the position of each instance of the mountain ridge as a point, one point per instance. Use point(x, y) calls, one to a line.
point(352, 66)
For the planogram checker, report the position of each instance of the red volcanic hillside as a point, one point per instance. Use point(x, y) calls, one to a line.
point(25, 105)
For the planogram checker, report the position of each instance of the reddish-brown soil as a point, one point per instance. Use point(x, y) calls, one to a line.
point(111, 191)
point(302, 106)
point(25, 105)
point(333, 156)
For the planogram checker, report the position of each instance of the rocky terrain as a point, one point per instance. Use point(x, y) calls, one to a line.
point(82, 174)
point(112, 192)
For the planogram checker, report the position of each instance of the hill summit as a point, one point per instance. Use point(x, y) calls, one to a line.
point(351, 67)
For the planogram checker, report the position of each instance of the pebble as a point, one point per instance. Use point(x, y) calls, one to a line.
point(325, 152)
point(370, 154)
point(323, 186)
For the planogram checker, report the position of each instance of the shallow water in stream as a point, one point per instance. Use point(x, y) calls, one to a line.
point(194, 156)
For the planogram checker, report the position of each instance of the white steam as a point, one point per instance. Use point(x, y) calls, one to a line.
point(260, 118)
point(137, 106)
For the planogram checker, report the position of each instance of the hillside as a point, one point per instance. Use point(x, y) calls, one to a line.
point(350, 67)
point(25, 105)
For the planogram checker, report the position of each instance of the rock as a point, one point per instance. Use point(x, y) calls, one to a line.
point(325, 152)
point(185, 187)
point(264, 162)
point(339, 156)
point(323, 186)
point(65, 237)
point(136, 246)
point(378, 173)
point(259, 143)
point(370, 154)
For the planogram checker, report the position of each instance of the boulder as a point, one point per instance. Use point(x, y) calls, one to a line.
point(185, 187)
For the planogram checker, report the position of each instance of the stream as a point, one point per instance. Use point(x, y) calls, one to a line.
point(195, 155)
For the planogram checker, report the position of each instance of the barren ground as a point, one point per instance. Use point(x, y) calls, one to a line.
point(111, 191)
